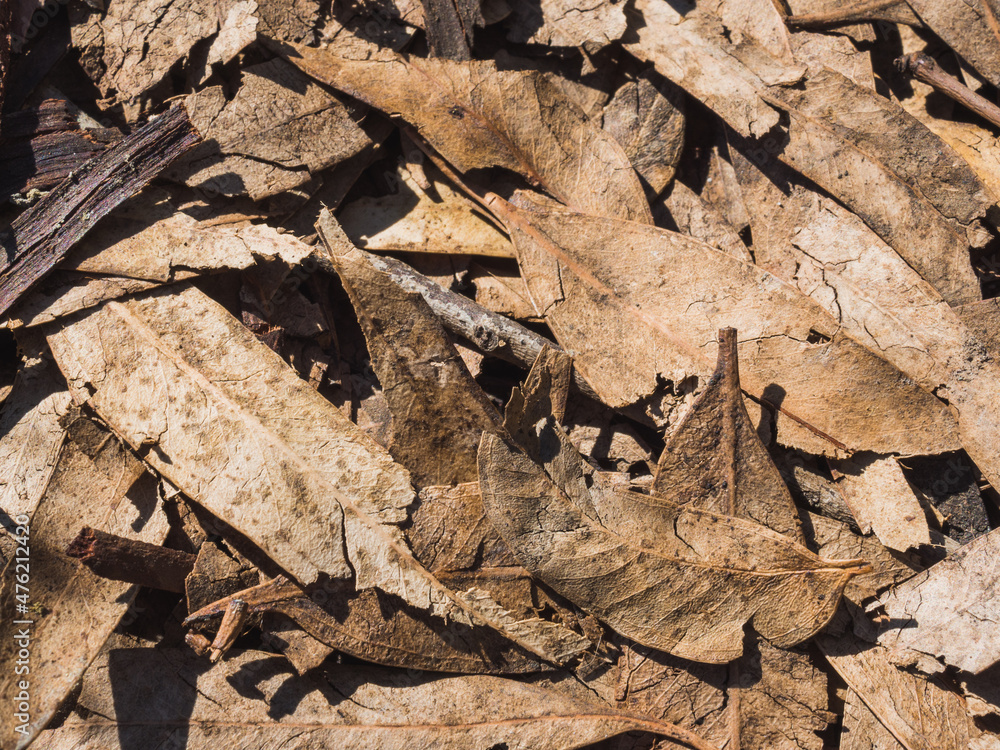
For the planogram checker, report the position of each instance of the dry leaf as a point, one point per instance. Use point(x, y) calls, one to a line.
point(686, 586)
point(715, 461)
point(648, 121)
point(918, 712)
point(964, 27)
point(438, 411)
point(696, 217)
point(382, 629)
point(278, 129)
point(829, 254)
point(835, 540)
point(950, 610)
point(866, 151)
point(346, 707)
point(562, 23)
point(449, 530)
point(650, 310)
point(31, 437)
point(462, 110)
point(882, 501)
point(72, 611)
point(245, 441)
point(142, 42)
point(417, 221)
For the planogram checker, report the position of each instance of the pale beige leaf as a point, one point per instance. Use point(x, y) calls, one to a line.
point(238, 30)
point(826, 252)
point(900, 178)
point(694, 216)
point(31, 436)
point(650, 309)
point(464, 111)
point(920, 713)
point(862, 730)
point(417, 221)
point(142, 41)
point(278, 129)
point(951, 610)
point(565, 23)
point(686, 585)
point(246, 440)
point(252, 698)
point(72, 611)
point(882, 500)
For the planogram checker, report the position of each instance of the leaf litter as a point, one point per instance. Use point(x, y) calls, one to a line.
point(487, 374)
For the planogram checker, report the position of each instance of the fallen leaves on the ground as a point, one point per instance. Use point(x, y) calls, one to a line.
point(489, 374)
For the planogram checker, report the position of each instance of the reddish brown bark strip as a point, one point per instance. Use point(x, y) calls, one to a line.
point(43, 235)
point(121, 559)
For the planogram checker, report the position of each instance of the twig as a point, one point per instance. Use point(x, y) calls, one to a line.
point(924, 68)
point(131, 561)
point(43, 235)
point(489, 331)
point(857, 13)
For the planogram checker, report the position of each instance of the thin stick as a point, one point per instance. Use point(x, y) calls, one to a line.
point(121, 559)
point(858, 13)
point(924, 68)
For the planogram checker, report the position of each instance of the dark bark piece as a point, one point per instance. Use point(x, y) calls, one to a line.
point(43, 145)
point(450, 26)
point(4, 47)
point(131, 560)
point(43, 235)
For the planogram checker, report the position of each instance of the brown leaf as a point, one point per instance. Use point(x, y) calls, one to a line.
point(715, 461)
point(462, 110)
point(918, 712)
point(650, 310)
point(278, 129)
point(561, 23)
point(866, 151)
point(648, 121)
point(346, 707)
point(72, 611)
point(686, 585)
point(438, 411)
point(382, 629)
point(245, 437)
point(835, 540)
point(950, 610)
